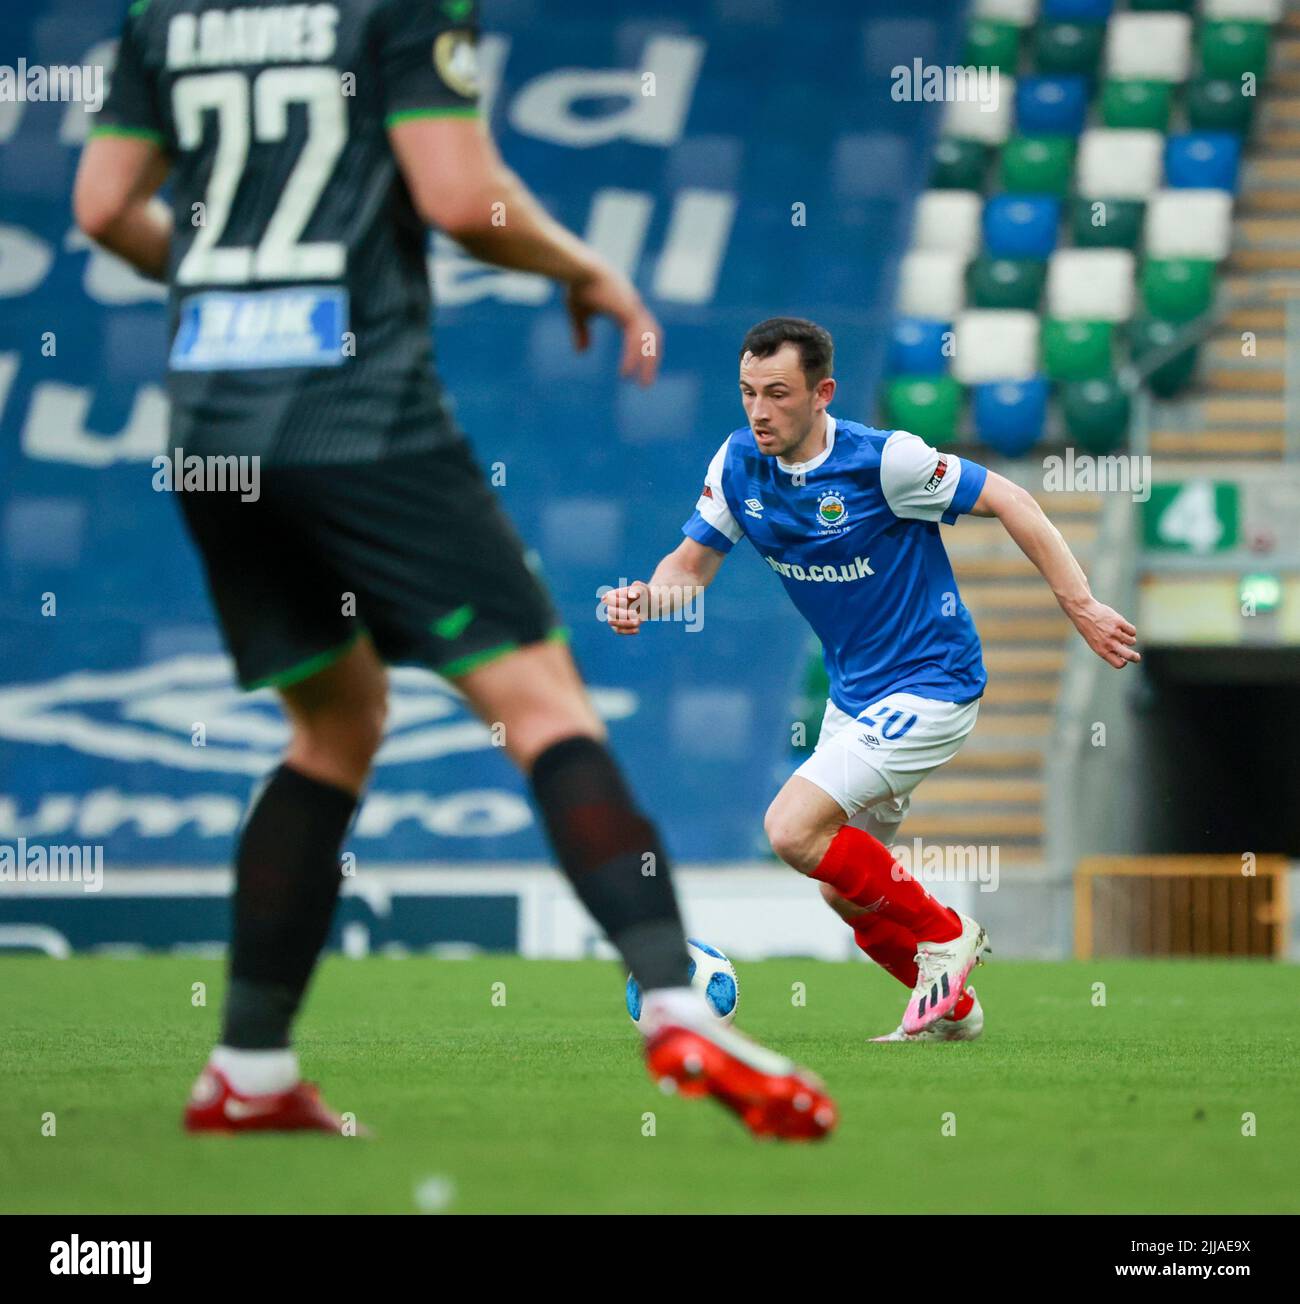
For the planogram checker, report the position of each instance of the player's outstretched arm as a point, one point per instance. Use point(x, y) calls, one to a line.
point(1108, 633)
point(681, 577)
point(113, 201)
point(460, 184)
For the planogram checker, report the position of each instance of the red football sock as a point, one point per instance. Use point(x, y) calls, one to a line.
point(962, 1008)
point(889, 944)
point(861, 869)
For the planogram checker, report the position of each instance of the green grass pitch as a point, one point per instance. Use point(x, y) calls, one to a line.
point(539, 1104)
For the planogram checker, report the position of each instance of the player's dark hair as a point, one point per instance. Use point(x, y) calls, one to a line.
point(816, 348)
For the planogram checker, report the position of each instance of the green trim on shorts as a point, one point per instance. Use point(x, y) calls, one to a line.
point(463, 665)
point(131, 133)
point(448, 111)
point(304, 669)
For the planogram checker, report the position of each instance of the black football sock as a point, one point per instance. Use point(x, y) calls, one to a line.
point(612, 856)
point(287, 880)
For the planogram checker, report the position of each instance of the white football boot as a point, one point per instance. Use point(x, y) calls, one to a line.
point(966, 1029)
point(942, 969)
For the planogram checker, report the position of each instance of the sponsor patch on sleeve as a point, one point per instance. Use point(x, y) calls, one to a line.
point(939, 472)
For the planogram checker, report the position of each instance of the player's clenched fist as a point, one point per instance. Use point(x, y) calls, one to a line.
point(626, 608)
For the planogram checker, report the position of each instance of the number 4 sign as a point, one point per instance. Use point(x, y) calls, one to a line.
point(1192, 516)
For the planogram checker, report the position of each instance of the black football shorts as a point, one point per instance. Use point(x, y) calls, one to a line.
point(414, 551)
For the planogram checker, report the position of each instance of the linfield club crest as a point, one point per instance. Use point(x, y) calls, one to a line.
point(831, 511)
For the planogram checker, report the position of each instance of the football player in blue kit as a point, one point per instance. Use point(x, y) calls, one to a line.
point(848, 517)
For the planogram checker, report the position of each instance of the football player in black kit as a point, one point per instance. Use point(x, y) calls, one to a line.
point(309, 147)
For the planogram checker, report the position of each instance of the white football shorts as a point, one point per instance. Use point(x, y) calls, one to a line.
point(870, 765)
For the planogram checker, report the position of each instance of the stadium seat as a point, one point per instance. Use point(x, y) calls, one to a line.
point(931, 284)
point(995, 345)
point(959, 165)
point(1077, 350)
point(1078, 11)
point(1149, 47)
point(1010, 414)
point(1149, 335)
point(1019, 12)
point(1067, 49)
point(916, 347)
point(992, 44)
point(948, 220)
point(1052, 106)
point(928, 406)
point(1021, 226)
point(1005, 282)
point(1090, 284)
point(1177, 289)
point(1203, 160)
point(1106, 223)
point(1217, 104)
point(1140, 105)
point(1096, 413)
point(1182, 6)
point(1229, 49)
point(1038, 165)
point(1189, 224)
point(970, 120)
point(1119, 164)
point(1251, 11)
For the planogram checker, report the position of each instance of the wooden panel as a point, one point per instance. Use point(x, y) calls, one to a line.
point(1180, 905)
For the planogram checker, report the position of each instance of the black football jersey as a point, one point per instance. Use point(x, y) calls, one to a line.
point(300, 307)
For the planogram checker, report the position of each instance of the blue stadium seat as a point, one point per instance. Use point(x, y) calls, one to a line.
point(1021, 226)
point(1051, 106)
point(1009, 414)
point(916, 347)
point(1203, 160)
point(1077, 11)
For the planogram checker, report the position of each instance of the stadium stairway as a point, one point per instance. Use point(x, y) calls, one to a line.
point(1238, 411)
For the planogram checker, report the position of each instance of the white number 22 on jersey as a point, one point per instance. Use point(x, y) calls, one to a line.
point(280, 255)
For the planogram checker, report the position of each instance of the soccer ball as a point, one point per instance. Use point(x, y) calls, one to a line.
point(711, 973)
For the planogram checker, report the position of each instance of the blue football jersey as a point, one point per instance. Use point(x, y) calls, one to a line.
point(853, 534)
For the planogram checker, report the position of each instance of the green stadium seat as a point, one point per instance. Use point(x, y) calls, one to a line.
point(1096, 413)
point(1076, 350)
point(959, 165)
point(1068, 47)
point(1217, 104)
point(1149, 335)
point(993, 45)
point(1038, 165)
point(1177, 289)
point(1136, 104)
point(1005, 282)
point(1117, 224)
point(929, 406)
point(1182, 6)
point(1230, 49)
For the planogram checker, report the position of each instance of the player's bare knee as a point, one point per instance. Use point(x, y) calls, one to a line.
point(790, 839)
point(527, 738)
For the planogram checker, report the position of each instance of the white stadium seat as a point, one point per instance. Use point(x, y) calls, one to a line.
point(1151, 47)
point(1189, 224)
point(1019, 12)
point(995, 345)
point(968, 120)
point(932, 285)
point(948, 219)
point(1119, 164)
point(1090, 284)
point(1244, 11)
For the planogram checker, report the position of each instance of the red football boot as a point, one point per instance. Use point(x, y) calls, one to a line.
point(770, 1094)
point(215, 1106)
